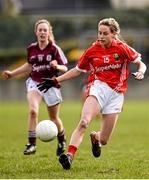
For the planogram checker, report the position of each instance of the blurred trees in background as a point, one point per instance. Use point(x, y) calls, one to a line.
point(74, 24)
point(73, 32)
point(18, 32)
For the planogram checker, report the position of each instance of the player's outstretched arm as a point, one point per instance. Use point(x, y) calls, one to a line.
point(25, 68)
point(55, 82)
point(68, 75)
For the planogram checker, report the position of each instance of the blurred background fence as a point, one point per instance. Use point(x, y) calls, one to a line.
point(75, 28)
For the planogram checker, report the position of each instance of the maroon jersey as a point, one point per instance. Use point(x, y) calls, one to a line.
point(40, 60)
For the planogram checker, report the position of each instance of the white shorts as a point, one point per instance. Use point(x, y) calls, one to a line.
point(51, 97)
point(109, 100)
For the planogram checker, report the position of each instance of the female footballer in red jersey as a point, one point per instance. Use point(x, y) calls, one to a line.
point(45, 60)
point(106, 61)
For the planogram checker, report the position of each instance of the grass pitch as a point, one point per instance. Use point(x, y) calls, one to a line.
point(125, 157)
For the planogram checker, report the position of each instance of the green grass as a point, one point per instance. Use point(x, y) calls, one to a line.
point(125, 157)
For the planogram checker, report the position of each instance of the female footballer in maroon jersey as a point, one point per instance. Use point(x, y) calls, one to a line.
point(106, 61)
point(44, 60)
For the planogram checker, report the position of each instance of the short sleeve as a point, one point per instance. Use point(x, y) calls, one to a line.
point(83, 63)
point(131, 54)
point(59, 55)
point(28, 54)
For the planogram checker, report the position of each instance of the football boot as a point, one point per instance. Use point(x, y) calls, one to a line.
point(61, 148)
point(96, 146)
point(66, 161)
point(30, 149)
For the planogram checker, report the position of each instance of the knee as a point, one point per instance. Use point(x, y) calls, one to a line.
point(33, 113)
point(83, 124)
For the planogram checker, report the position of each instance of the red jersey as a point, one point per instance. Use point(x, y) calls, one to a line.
point(40, 60)
point(109, 65)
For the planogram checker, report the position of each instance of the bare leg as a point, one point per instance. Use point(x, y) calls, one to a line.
point(53, 112)
point(34, 100)
point(90, 109)
point(108, 124)
point(54, 116)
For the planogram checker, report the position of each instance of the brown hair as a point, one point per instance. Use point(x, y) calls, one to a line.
point(51, 36)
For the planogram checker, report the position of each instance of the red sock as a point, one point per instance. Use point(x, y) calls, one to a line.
point(72, 149)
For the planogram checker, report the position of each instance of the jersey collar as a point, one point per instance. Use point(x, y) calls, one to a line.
point(49, 44)
point(114, 42)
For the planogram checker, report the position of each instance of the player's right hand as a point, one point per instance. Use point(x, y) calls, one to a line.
point(7, 74)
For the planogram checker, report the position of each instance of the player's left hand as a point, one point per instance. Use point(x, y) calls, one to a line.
point(47, 84)
point(138, 75)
